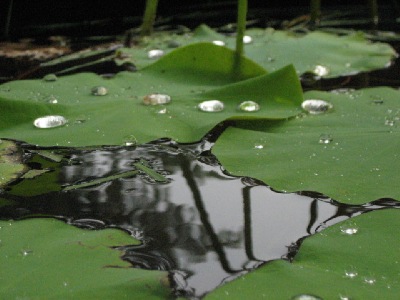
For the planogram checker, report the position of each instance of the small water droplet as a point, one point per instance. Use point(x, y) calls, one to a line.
point(351, 273)
point(219, 43)
point(156, 99)
point(390, 121)
point(258, 146)
point(50, 77)
point(155, 53)
point(52, 100)
point(247, 39)
point(315, 106)
point(249, 106)
point(50, 121)
point(306, 297)
point(344, 297)
point(65, 284)
point(162, 111)
point(99, 91)
point(130, 141)
point(320, 70)
point(26, 252)
point(349, 229)
point(325, 138)
point(369, 280)
point(211, 106)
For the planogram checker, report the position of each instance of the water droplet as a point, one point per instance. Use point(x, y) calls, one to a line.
point(173, 44)
point(162, 111)
point(369, 280)
point(50, 77)
point(320, 70)
point(344, 297)
point(52, 100)
point(249, 106)
point(130, 141)
point(314, 106)
point(247, 39)
point(65, 283)
point(325, 138)
point(155, 53)
point(351, 273)
point(156, 99)
point(389, 121)
point(50, 121)
point(258, 146)
point(377, 101)
point(349, 229)
point(99, 91)
point(306, 297)
point(26, 252)
point(219, 43)
point(211, 106)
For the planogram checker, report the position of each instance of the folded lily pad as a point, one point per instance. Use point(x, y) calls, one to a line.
point(349, 153)
point(356, 259)
point(322, 53)
point(189, 76)
point(48, 259)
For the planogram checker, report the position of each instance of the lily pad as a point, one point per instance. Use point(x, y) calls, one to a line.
point(189, 76)
point(48, 259)
point(332, 265)
point(11, 165)
point(349, 153)
point(322, 53)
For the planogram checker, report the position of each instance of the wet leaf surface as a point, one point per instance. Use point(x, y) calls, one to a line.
point(349, 153)
point(46, 258)
point(332, 265)
point(324, 54)
point(189, 76)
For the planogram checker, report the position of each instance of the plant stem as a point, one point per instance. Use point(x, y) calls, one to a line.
point(315, 12)
point(149, 17)
point(241, 28)
point(8, 19)
point(373, 8)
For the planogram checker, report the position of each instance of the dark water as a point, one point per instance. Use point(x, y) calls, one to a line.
point(202, 225)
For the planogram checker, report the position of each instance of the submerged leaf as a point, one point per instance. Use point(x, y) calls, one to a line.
point(332, 265)
point(48, 259)
point(349, 153)
point(189, 76)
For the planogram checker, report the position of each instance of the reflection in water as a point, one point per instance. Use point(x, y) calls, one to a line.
point(203, 225)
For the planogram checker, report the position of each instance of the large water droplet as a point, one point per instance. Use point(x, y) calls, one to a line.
point(156, 99)
point(155, 53)
point(219, 43)
point(247, 39)
point(99, 91)
point(249, 106)
point(349, 229)
point(320, 70)
point(211, 106)
point(306, 297)
point(50, 121)
point(325, 138)
point(50, 77)
point(314, 106)
point(130, 141)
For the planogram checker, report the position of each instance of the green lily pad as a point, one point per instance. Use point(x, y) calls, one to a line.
point(350, 153)
point(332, 265)
point(11, 165)
point(324, 54)
point(189, 76)
point(48, 259)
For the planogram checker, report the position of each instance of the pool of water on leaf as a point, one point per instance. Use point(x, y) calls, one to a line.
point(202, 225)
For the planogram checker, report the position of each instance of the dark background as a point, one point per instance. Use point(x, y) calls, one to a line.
point(97, 17)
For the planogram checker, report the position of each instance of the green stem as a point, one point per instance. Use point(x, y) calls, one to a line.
point(149, 17)
point(8, 19)
point(373, 8)
point(241, 28)
point(315, 12)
